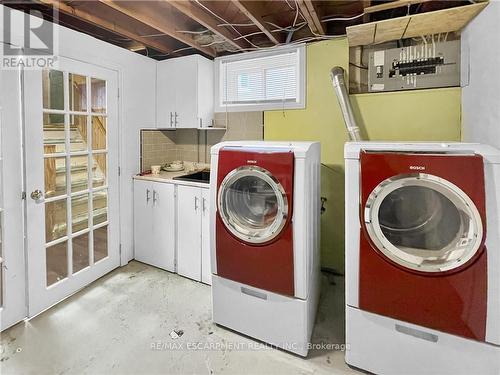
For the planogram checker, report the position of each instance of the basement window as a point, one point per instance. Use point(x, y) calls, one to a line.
point(262, 80)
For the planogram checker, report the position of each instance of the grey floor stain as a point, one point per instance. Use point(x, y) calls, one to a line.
point(109, 327)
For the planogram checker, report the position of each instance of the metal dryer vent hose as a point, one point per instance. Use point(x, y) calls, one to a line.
point(338, 82)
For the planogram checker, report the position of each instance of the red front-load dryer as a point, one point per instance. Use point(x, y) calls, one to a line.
point(422, 255)
point(253, 223)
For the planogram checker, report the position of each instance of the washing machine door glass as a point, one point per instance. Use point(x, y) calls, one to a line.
point(423, 222)
point(252, 204)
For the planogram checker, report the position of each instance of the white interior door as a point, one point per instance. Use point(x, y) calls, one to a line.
point(12, 261)
point(71, 127)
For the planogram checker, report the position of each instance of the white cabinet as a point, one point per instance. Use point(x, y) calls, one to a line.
point(172, 228)
point(189, 232)
point(154, 223)
point(206, 271)
point(165, 94)
point(193, 246)
point(184, 92)
point(143, 228)
point(164, 225)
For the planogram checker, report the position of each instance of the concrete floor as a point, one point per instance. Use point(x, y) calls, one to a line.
point(121, 324)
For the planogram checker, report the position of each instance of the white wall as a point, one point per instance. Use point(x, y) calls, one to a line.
point(137, 106)
point(13, 243)
point(481, 97)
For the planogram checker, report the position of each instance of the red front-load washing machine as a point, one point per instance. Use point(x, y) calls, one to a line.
point(254, 229)
point(265, 239)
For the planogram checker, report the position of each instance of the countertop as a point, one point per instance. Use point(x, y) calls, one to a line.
point(168, 177)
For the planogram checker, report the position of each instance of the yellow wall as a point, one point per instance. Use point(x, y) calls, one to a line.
point(412, 115)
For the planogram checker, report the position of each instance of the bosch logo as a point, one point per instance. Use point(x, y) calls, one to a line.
point(251, 161)
point(417, 168)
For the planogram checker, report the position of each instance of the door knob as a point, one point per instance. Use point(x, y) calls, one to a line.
point(36, 195)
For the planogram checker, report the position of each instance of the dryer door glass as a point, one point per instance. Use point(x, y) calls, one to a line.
point(423, 222)
point(252, 204)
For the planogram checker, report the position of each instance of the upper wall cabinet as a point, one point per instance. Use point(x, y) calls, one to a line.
point(184, 93)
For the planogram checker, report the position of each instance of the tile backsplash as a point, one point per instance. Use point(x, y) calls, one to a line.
point(161, 146)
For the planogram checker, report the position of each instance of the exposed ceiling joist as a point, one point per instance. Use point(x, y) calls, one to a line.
point(210, 22)
point(393, 5)
point(310, 13)
point(107, 25)
point(252, 10)
point(217, 27)
point(163, 22)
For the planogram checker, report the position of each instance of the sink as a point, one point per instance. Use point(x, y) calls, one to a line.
point(201, 176)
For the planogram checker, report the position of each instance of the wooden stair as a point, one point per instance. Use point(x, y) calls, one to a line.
point(56, 180)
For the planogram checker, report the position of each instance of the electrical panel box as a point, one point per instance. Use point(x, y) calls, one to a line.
point(420, 66)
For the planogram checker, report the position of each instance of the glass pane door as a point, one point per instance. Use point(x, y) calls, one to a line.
point(72, 168)
point(75, 174)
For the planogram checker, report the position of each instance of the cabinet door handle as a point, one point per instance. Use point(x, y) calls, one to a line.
point(203, 204)
point(147, 195)
point(155, 195)
point(195, 203)
point(176, 115)
point(171, 119)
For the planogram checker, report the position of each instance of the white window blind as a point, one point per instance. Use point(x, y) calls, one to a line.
point(256, 81)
